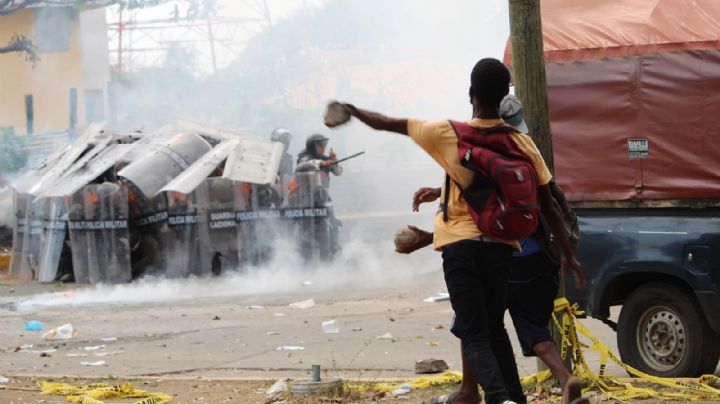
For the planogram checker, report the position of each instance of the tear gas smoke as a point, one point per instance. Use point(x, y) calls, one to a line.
point(363, 263)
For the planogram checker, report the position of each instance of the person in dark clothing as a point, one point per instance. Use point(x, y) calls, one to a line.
point(314, 158)
point(323, 234)
point(476, 266)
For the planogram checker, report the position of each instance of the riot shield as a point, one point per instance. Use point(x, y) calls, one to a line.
point(314, 218)
point(148, 226)
point(53, 238)
point(182, 241)
point(21, 206)
point(32, 226)
point(106, 219)
point(79, 235)
point(217, 225)
point(151, 171)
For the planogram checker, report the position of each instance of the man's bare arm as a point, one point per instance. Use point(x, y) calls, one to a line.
point(552, 216)
point(378, 121)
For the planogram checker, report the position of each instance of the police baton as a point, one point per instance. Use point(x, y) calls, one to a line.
point(347, 158)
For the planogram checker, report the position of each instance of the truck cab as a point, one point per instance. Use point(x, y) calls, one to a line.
point(662, 265)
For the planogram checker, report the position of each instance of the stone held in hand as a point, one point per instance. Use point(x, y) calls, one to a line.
point(336, 114)
point(430, 366)
point(405, 237)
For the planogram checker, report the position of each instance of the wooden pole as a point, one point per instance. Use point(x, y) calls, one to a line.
point(531, 88)
point(529, 72)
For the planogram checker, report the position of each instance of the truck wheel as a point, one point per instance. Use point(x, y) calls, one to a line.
point(662, 331)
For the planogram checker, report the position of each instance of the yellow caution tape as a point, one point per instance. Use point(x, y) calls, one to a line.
point(421, 383)
point(705, 388)
point(95, 393)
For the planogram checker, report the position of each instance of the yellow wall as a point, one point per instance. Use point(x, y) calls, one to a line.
point(49, 81)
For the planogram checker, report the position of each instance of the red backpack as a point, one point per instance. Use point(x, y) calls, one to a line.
point(503, 194)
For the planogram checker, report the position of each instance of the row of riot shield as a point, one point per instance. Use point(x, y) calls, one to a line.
point(112, 233)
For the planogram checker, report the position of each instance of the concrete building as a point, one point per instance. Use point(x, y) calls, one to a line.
point(67, 87)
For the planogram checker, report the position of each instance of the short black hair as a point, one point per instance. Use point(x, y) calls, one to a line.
point(490, 82)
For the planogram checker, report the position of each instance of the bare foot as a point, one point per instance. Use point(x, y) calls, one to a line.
point(572, 391)
point(463, 397)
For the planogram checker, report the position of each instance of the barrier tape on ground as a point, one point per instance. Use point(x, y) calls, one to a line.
point(705, 388)
point(443, 379)
point(95, 393)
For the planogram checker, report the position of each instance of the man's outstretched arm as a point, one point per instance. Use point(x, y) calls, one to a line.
point(378, 121)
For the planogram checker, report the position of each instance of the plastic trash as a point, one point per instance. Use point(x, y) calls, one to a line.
point(95, 363)
point(108, 353)
point(94, 348)
point(440, 297)
point(279, 387)
point(34, 325)
point(331, 327)
point(402, 390)
point(305, 304)
point(286, 348)
point(255, 307)
point(4, 380)
point(65, 331)
point(387, 335)
point(109, 339)
point(273, 333)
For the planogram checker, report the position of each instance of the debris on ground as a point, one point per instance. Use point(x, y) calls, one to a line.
point(33, 325)
point(439, 297)
point(387, 336)
point(93, 363)
point(65, 331)
point(4, 380)
point(287, 348)
point(255, 307)
point(331, 327)
point(108, 339)
point(280, 386)
point(402, 390)
point(304, 304)
point(94, 348)
point(108, 353)
point(430, 366)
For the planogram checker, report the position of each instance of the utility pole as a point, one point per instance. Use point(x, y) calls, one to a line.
point(528, 61)
point(529, 72)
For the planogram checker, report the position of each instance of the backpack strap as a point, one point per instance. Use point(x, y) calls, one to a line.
point(462, 128)
point(446, 198)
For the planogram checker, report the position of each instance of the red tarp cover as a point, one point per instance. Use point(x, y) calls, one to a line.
point(620, 70)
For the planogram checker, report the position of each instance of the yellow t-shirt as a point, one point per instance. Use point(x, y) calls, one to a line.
point(438, 139)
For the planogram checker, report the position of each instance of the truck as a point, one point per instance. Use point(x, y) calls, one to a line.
point(634, 113)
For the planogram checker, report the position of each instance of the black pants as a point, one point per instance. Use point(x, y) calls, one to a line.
point(532, 290)
point(476, 274)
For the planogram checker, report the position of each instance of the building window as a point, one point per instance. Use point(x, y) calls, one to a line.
point(53, 28)
point(29, 114)
point(94, 106)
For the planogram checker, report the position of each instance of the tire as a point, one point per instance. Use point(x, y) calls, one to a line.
point(663, 331)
